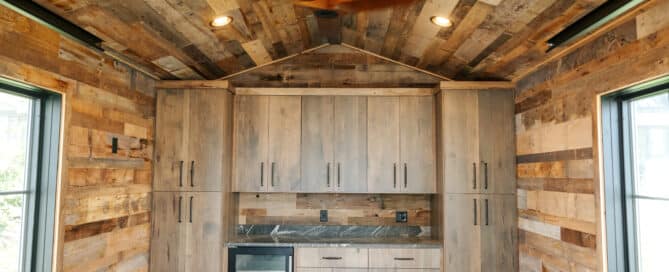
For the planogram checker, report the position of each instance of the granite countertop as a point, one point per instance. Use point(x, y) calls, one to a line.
point(371, 242)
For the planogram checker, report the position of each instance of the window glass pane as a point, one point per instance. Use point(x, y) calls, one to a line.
point(11, 232)
point(650, 151)
point(14, 134)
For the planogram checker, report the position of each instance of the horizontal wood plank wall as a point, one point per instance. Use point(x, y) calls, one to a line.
point(556, 118)
point(343, 209)
point(335, 66)
point(105, 198)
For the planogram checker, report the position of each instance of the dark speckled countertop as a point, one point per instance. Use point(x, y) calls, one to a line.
point(386, 242)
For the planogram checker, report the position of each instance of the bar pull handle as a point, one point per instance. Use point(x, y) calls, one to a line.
point(403, 259)
point(180, 198)
point(486, 212)
point(394, 175)
point(272, 174)
point(474, 172)
point(485, 175)
point(328, 175)
point(192, 173)
point(181, 173)
point(332, 258)
point(338, 174)
point(405, 175)
point(262, 174)
point(475, 214)
point(190, 212)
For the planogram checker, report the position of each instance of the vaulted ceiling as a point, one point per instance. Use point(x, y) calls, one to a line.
point(489, 39)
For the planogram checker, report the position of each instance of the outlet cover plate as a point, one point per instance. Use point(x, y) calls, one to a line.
point(324, 216)
point(401, 217)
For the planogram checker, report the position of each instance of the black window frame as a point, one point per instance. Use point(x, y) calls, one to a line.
point(43, 164)
point(621, 240)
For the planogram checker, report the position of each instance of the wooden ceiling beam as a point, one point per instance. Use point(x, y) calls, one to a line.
point(477, 85)
point(192, 84)
point(336, 91)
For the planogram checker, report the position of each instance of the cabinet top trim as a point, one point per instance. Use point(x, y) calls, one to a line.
point(192, 84)
point(337, 91)
point(477, 85)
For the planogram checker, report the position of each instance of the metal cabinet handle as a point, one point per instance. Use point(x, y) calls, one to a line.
point(328, 175)
point(405, 175)
point(475, 214)
point(474, 176)
point(332, 258)
point(192, 173)
point(180, 198)
point(181, 173)
point(486, 212)
point(403, 259)
point(262, 174)
point(272, 175)
point(338, 174)
point(394, 175)
point(485, 175)
point(190, 213)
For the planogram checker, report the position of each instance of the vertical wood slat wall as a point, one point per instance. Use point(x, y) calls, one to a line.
point(105, 198)
point(560, 222)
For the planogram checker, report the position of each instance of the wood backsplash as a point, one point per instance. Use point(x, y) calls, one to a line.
point(343, 209)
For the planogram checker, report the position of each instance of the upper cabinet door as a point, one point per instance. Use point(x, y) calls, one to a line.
point(251, 144)
point(459, 141)
point(284, 143)
point(497, 143)
point(171, 154)
point(168, 243)
point(417, 144)
point(317, 144)
point(383, 139)
point(350, 141)
point(203, 220)
point(209, 139)
point(499, 250)
point(462, 233)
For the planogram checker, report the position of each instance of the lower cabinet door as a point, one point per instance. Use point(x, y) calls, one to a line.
point(405, 258)
point(498, 233)
point(462, 233)
point(331, 257)
point(168, 243)
point(204, 231)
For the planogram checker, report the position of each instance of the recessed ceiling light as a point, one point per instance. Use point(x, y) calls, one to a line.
point(441, 21)
point(221, 21)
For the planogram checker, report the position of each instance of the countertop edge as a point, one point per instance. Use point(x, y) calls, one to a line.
point(342, 245)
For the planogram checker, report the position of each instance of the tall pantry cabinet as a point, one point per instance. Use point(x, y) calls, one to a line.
point(476, 179)
point(192, 171)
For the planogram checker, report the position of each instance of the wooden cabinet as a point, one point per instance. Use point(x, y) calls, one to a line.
point(187, 157)
point(499, 245)
point(462, 233)
point(267, 143)
point(186, 231)
point(367, 259)
point(400, 145)
point(334, 137)
point(477, 141)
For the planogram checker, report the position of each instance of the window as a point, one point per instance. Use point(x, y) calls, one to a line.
point(636, 161)
point(29, 127)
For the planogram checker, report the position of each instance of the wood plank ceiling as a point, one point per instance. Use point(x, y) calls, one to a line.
point(489, 39)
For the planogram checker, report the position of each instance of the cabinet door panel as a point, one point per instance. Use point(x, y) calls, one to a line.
point(497, 142)
point(208, 139)
point(317, 144)
point(383, 144)
point(462, 233)
point(417, 144)
point(499, 250)
point(332, 257)
point(171, 125)
point(251, 143)
point(459, 140)
point(168, 245)
point(284, 143)
point(350, 141)
point(408, 258)
point(205, 244)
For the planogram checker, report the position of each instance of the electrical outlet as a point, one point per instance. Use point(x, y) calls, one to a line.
point(401, 217)
point(324, 216)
